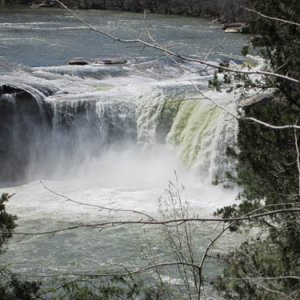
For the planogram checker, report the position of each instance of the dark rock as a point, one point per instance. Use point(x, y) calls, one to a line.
point(109, 61)
point(99, 61)
point(79, 61)
point(21, 114)
point(115, 61)
point(253, 100)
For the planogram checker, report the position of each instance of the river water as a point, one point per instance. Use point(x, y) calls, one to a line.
point(123, 137)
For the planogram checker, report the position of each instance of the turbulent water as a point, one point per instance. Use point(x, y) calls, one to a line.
point(108, 135)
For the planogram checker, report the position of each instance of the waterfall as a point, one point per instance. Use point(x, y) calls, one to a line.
point(48, 128)
point(199, 130)
point(202, 132)
point(40, 135)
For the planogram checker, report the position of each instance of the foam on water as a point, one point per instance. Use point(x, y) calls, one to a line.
point(93, 161)
point(128, 180)
point(113, 138)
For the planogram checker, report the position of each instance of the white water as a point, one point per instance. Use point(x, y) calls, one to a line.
point(117, 156)
point(134, 175)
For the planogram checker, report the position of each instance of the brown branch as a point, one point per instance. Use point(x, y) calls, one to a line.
point(270, 125)
point(298, 159)
point(178, 222)
point(171, 53)
point(286, 277)
point(276, 127)
point(271, 18)
point(157, 46)
point(206, 254)
point(96, 205)
point(89, 274)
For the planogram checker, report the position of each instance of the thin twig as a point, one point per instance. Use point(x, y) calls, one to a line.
point(96, 274)
point(96, 205)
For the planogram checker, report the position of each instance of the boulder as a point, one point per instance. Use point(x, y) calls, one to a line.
point(23, 123)
point(232, 25)
point(232, 30)
point(253, 100)
point(109, 61)
point(236, 28)
point(79, 61)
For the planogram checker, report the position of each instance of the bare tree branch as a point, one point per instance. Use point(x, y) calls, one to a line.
point(270, 18)
point(155, 45)
point(206, 254)
point(96, 205)
point(298, 158)
point(171, 53)
point(96, 274)
point(270, 125)
point(286, 277)
point(276, 127)
point(178, 222)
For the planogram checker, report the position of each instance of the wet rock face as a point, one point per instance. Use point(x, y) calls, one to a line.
point(19, 115)
point(248, 102)
point(38, 135)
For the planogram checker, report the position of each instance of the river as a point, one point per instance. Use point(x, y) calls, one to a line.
point(119, 137)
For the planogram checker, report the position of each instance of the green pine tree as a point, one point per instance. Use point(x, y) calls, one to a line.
point(267, 169)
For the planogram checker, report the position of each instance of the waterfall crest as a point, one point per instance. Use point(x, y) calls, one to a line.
point(48, 126)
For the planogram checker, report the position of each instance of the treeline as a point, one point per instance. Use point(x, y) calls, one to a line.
point(223, 10)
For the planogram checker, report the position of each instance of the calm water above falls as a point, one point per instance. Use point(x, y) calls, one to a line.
point(46, 37)
point(108, 135)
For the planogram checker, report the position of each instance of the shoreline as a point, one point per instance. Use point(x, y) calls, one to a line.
point(214, 16)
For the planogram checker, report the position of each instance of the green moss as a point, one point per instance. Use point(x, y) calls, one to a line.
point(166, 119)
point(180, 123)
point(194, 122)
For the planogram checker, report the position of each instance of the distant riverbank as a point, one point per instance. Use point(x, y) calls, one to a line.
point(223, 11)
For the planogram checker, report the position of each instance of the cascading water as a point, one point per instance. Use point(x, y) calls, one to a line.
point(113, 143)
point(61, 127)
point(202, 132)
point(199, 131)
point(42, 136)
point(109, 136)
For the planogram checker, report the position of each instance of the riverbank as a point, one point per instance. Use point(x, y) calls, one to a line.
point(223, 11)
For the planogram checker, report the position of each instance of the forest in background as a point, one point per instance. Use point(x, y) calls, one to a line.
point(223, 10)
